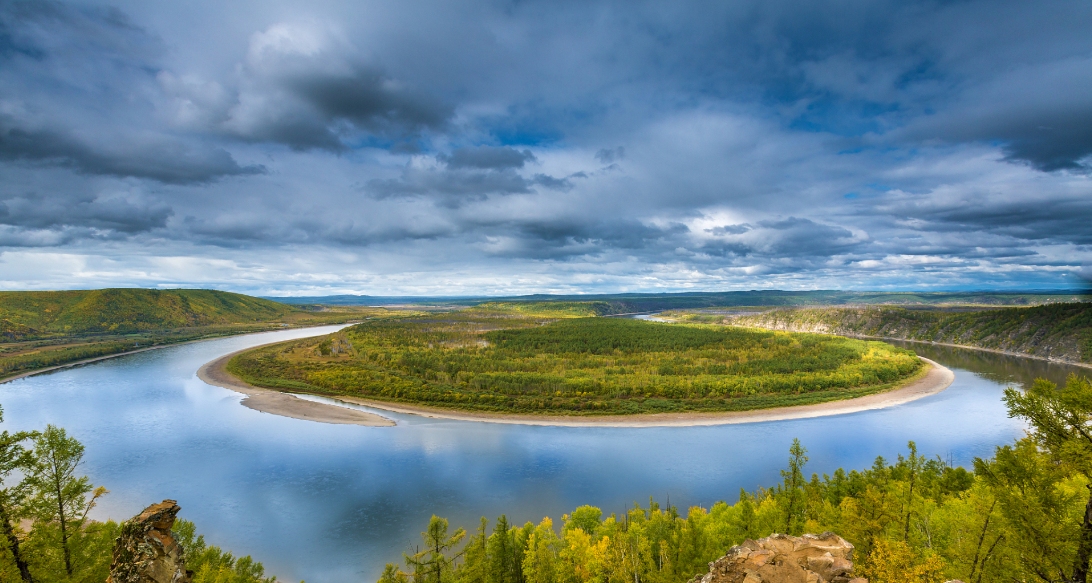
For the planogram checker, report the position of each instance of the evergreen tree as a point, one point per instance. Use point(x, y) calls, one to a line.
point(432, 563)
point(793, 489)
point(502, 557)
point(14, 457)
point(476, 564)
point(60, 498)
point(1026, 478)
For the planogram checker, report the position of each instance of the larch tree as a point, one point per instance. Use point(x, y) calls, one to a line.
point(1027, 479)
point(60, 498)
point(793, 488)
point(14, 458)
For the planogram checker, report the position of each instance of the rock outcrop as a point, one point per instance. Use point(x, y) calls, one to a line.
point(146, 552)
point(780, 558)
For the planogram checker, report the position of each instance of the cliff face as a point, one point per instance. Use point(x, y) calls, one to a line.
point(146, 552)
point(1060, 332)
point(780, 558)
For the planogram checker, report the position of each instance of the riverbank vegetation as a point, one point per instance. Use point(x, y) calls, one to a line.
point(1060, 331)
point(45, 532)
point(1020, 516)
point(43, 329)
point(539, 360)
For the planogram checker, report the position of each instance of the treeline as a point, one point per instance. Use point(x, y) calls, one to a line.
point(556, 309)
point(582, 366)
point(40, 486)
point(24, 349)
point(1062, 330)
point(1019, 516)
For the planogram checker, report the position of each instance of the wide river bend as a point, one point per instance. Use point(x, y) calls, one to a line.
point(333, 503)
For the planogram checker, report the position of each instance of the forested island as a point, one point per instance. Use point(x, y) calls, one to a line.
point(560, 358)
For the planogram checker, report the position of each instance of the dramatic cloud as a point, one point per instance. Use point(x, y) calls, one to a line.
point(305, 87)
point(471, 147)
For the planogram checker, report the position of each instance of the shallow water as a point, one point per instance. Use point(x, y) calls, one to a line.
point(332, 503)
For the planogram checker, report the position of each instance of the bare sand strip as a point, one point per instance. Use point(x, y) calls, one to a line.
point(284, 404)
point(934, 380)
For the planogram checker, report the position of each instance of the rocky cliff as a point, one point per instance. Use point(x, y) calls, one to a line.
point(780, 558)
point(146, 552)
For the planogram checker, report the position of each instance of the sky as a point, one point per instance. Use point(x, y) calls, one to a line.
point(510, 147)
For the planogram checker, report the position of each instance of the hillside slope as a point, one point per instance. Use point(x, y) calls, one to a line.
point(1054, 331)
point(25, 314)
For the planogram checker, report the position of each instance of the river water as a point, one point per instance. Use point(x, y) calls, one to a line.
point(333, 503)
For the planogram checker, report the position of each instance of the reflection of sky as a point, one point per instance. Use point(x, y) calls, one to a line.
point(334, 502)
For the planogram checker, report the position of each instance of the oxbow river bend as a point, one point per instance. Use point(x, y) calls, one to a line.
point(333, 503)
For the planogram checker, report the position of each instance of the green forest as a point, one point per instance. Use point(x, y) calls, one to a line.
point(1019, 516)
point(43, 329)
point(133, 310)
point(538, 359)
point(1060, 330)
point(47, 536)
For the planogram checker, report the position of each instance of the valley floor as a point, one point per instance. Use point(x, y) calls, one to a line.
point(933, 379)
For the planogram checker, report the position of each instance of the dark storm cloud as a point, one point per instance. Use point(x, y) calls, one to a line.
point(569, 238)
point(68, 75)
point(1063, 220)
point(783, 238)
point(900, 138)
point(85, 215)
point(468, 174)
point(164, 161)
point(306, 87)
point(609, 155)
point(487, 157)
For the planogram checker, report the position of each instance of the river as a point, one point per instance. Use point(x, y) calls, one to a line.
point(333, 503)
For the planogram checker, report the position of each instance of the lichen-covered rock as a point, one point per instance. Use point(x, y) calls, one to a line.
point(146, 552)
point(780, 558)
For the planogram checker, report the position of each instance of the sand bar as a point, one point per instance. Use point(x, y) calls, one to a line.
point(284, 404)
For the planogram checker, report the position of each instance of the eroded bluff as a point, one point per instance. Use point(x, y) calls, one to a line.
point(146, 552)
point(780, 558)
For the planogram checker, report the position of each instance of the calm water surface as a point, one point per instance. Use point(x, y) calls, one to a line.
point(333, 503)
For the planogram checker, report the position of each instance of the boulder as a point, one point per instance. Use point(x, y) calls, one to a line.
point(780, 558)
point(146, 552)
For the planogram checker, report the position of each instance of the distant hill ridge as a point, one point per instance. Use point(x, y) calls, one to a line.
point(1055, 331)
point(28, 313)
point(666, 301)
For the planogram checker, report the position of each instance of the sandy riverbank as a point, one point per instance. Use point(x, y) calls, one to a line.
point(284, 404)
point(934, 380)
